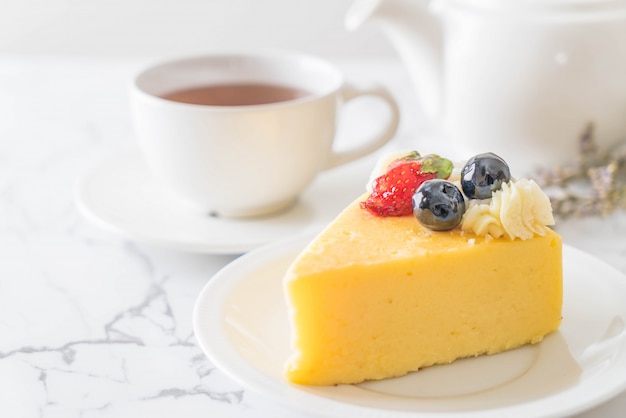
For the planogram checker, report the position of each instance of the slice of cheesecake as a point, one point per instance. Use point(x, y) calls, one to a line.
point(376, 297)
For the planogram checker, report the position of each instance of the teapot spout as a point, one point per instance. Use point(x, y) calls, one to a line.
point(415, 31)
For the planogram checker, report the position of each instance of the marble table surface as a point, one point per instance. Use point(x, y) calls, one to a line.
point(93, 324)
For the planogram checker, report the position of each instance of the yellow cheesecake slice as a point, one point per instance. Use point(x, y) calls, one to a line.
point(378, 297)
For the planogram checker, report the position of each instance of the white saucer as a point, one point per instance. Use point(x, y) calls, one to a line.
point(240, 321)
point(121, 196)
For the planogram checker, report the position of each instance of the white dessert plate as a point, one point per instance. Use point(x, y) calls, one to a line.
point(240, 321)
point(121, 196)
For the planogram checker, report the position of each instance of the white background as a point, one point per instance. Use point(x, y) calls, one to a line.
point(179, 27)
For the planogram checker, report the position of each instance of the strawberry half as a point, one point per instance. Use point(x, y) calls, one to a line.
point(392, 193)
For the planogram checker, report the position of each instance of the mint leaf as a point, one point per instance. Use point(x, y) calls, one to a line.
point(433, 163)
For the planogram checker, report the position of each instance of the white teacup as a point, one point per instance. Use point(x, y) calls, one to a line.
point(261, 139)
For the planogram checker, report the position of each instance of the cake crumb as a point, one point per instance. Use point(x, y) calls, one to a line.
point(471, 241)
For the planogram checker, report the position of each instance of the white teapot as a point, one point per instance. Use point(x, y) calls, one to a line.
point(522, 78)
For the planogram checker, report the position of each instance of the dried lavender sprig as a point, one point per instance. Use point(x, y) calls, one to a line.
point(594, 184)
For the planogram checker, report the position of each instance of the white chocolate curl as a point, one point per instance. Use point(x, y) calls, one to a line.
point(520, 209)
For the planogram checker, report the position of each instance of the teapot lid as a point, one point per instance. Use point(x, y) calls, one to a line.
point(582, 9)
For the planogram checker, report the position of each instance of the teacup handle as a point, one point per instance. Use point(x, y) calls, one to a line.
point(369, 145)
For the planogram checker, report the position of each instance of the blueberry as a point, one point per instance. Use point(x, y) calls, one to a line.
point(484, 174)
point(438, 205)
